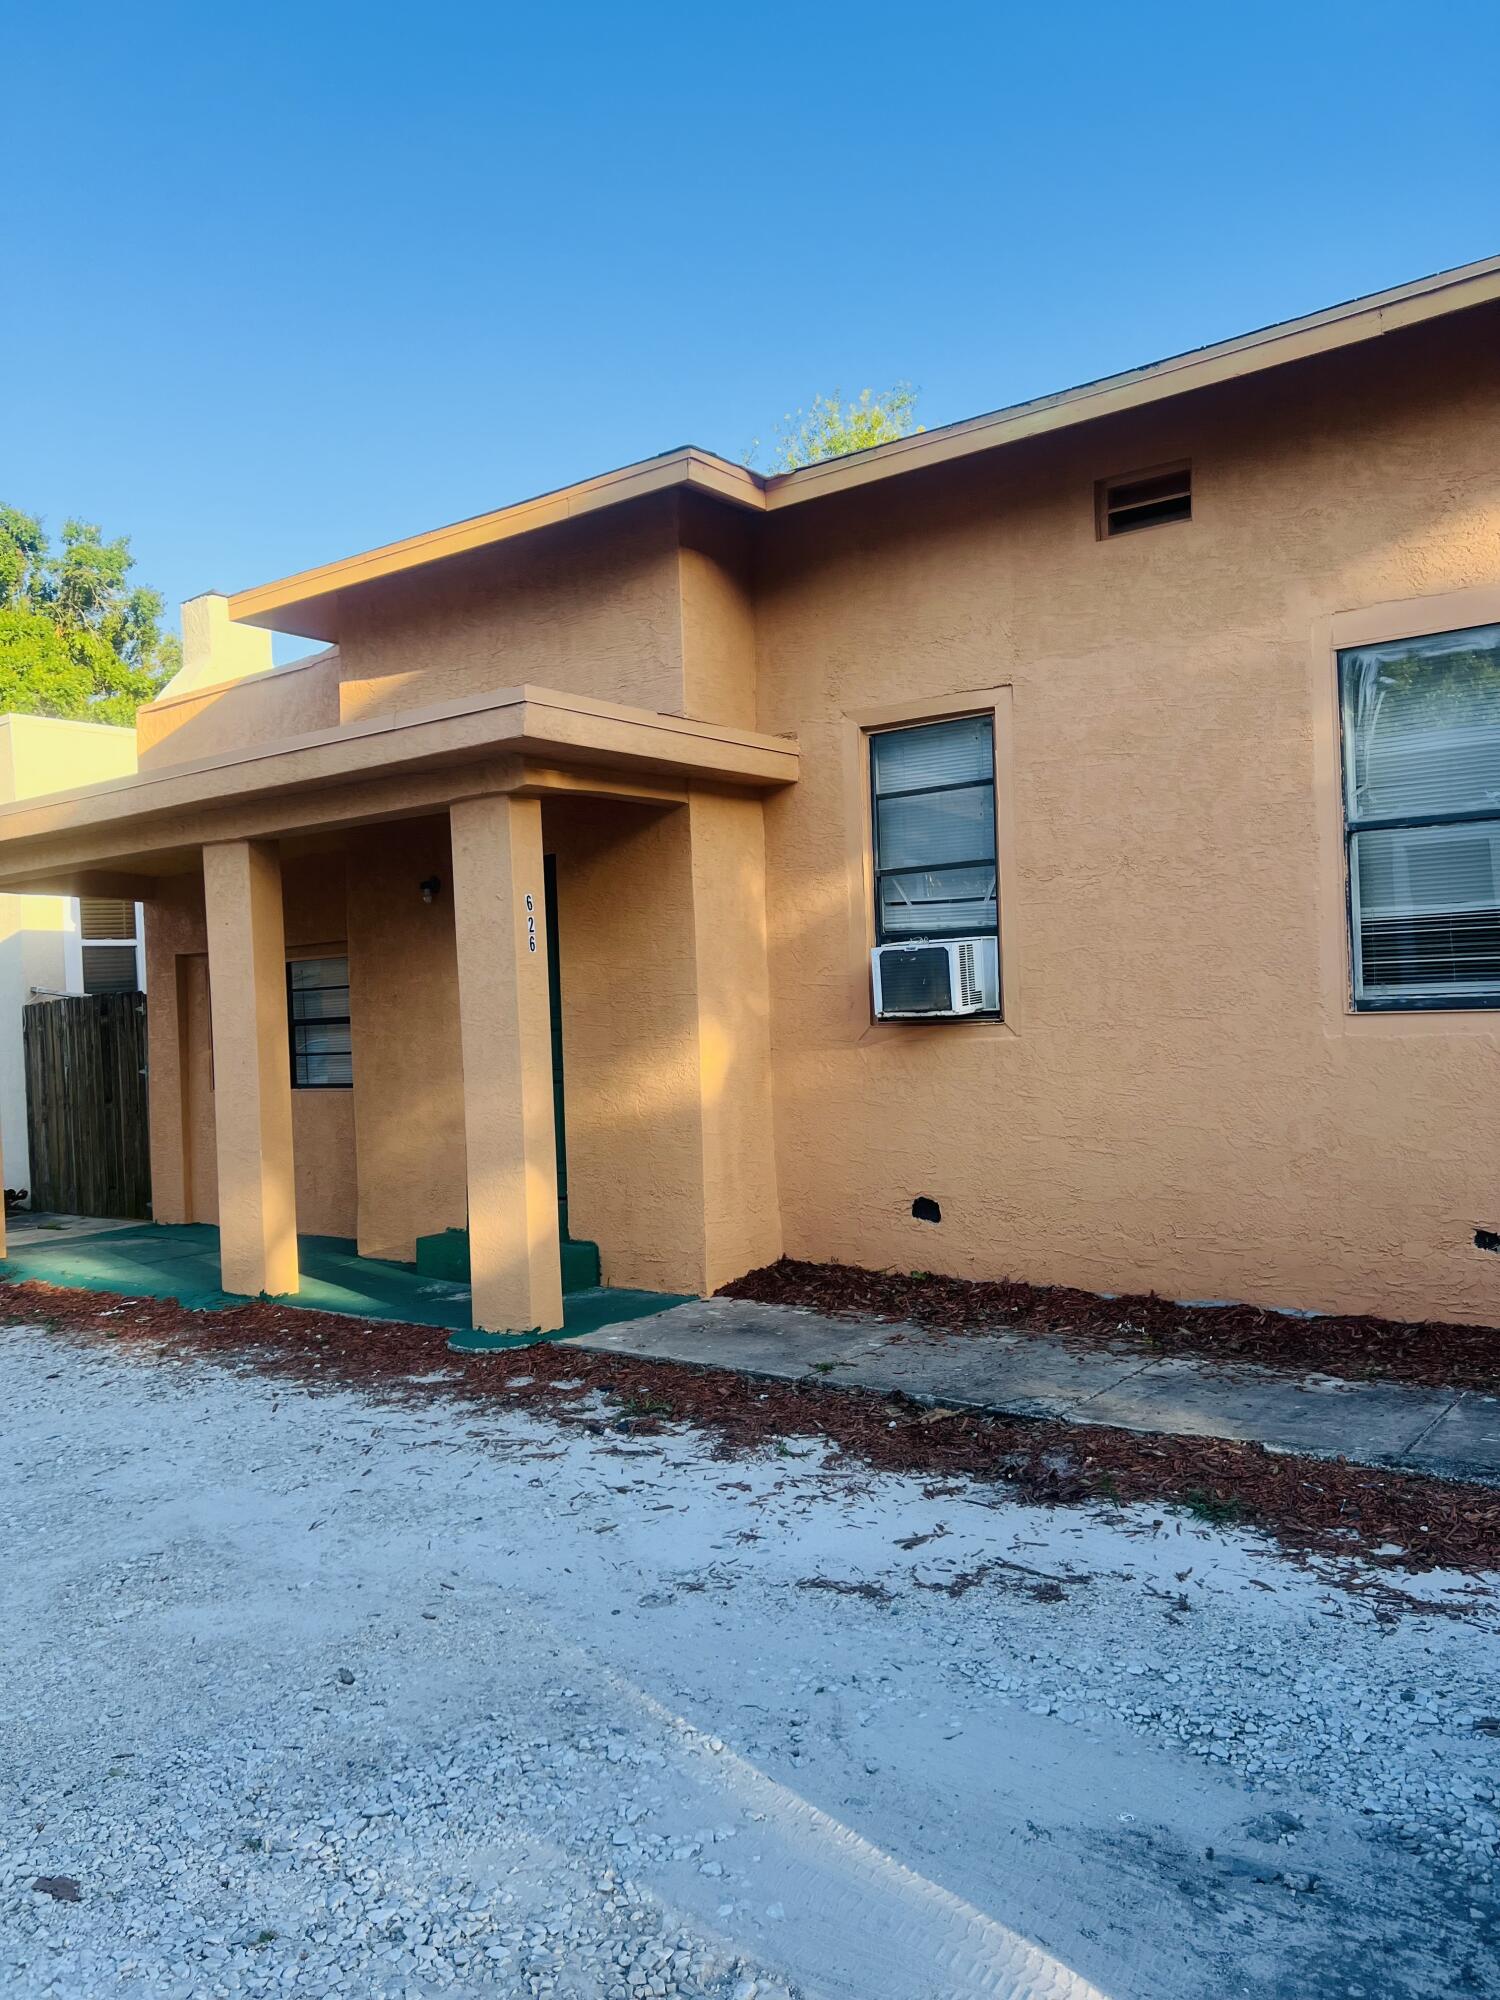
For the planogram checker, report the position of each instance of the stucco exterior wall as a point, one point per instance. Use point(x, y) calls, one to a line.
point(408, 1070)
point(262, 709)
point(1176, 1102)
point(630, 1049)
point(184, 1174)
point(716, 572)
point(732, 1017)
point(1178, 1097)
point(590, 606)
point(40, 754)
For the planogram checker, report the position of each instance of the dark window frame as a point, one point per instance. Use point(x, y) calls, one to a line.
point(990, 860)
point(293, 1023)
point(1355, 824)
point(1116, 517)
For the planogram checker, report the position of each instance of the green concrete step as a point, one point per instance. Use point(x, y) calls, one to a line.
point(580, 1267)
point(446, 1256)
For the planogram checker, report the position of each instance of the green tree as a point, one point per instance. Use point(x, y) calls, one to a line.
point(830, 427)
point(76, 639)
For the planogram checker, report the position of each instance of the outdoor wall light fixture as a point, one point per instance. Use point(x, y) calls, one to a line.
point(431, 889)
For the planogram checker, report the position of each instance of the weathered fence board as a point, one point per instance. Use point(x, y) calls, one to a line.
point(86, 1104)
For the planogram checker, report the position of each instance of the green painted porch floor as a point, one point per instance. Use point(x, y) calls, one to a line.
point(181, 1261)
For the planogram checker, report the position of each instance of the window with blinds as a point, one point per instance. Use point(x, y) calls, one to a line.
point(933, 813)
point(107, 929)
point(1421, 729)
point(318, 1020)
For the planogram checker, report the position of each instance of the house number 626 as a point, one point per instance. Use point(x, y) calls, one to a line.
point(530, 923)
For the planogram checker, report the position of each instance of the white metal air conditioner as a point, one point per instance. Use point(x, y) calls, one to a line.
point(937, 979)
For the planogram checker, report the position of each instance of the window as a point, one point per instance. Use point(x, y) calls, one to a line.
point(109, 952)
point(318, 1013)
point(933, 809)
point(1143, 500)
point(1421, 729)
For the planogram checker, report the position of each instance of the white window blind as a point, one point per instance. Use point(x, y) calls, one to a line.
point(1421, 725)
point(108, 954)
point(933, 807)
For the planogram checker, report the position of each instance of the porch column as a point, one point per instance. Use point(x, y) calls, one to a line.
point(252, 1067)
point(506, 1039)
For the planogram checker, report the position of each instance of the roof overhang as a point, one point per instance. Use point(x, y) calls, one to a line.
point(525, 739)
point(307, 604)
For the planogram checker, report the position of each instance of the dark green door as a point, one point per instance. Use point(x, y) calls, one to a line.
point(554, 981)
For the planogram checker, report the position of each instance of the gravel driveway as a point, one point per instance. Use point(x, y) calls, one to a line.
point(317, 1694)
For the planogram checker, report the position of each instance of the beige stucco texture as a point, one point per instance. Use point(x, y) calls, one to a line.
point(1179, 1095)
point(1185, 1102)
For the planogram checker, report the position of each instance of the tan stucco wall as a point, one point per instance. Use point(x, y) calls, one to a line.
point(630, 1058)
point(651, 607)
point(184, 1177)
point(262, 709)
point(408, 1073)
point(732, 1010)
point(1178, 1098)
point(1180, 1105)
point(716, 596)
point(666, 1045)
point(591, 606)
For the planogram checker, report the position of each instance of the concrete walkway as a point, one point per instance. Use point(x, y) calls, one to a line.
point(1447, 1433)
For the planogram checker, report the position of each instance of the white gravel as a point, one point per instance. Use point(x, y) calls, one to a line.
point(319, 1695)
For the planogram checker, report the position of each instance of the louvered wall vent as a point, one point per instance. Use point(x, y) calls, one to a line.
point(1143, 500)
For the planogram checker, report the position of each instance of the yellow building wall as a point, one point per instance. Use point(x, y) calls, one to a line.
point(40, 754)
point(1177, 1104)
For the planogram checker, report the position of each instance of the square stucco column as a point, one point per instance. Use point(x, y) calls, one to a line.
point(741, 1209)
point(506, 1038)
point(252, 1067)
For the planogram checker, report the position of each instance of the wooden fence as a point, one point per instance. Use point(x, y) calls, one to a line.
point(86, 1104)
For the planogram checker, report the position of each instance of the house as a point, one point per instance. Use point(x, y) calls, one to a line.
point(54, 945)
point(541, 899)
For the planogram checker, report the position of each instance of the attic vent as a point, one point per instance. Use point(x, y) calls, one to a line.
point(1143, 500)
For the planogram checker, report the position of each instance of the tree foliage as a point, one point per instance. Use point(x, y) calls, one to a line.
point(830, 427)
point(76, 639)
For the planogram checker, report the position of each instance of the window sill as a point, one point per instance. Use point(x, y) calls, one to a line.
point(980, 1027)
point(1389, 1022)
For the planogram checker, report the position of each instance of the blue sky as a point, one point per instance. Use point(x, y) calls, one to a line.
point(287, 281)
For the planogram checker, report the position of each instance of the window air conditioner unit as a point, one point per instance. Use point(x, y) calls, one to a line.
point(938, 980)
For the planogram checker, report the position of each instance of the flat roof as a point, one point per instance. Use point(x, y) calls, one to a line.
point(307, 602)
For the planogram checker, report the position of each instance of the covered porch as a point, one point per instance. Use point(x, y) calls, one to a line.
point(181, 1261)
point(547, 915)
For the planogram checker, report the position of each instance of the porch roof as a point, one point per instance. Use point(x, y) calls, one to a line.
point(103, 838)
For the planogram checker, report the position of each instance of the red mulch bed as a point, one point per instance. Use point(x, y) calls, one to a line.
point(1311, 1507)
point(1430, 1354)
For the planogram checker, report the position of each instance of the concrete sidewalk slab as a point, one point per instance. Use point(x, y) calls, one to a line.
point(1464, 1442)
point(1441, 1432)
point(1007, 1371)
point(1373, 1421)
